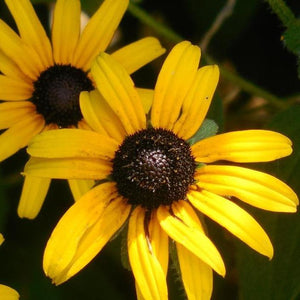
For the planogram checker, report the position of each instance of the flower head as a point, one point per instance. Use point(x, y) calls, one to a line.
point(153, 177)
point(41, 80)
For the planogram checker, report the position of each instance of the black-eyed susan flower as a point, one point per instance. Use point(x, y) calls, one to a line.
point(153, 178)
point(41, 80)
point(6, 292)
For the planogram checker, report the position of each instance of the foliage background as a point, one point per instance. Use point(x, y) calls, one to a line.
point(259, 88)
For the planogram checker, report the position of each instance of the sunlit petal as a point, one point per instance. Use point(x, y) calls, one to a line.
point(19, 135)
point(234, 219)
point(243, 146)
point(100, 116)
point(256, 188)
point(146, 268)
point(135, 55)
point(197, 276)
point(99, 31)
point(31, 29)
point(12, 112)
point(83, 231)
point(68, 168)
point(173, 83)
point(65, 30)
point(182, 225)
point(72, 143)
point(117, 88)
point(197, 101)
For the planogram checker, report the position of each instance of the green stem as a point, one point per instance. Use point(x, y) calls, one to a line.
point(283, 12)
point(169, 34)
point(151, 22)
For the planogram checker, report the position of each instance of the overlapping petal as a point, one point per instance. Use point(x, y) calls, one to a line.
point(197, 276)
point(173, 83)
point(146, 96)
point(197, 101)
point(65, 30)
point(12, 112)
point(234, 219)
point(72, 143)
point(83, 231)
point(10, 69)
point(19, 135)
point(148, 272)
point(80, 187)
point(100, 116)
point(243, 146)
point(182, 225)
point(14, 89)
point(99, 31)
point(31, 30)
point(135, 55)
point(68, 168)
point(256, 188)
point(118, 90)
point(33, 195)
point(20, 53)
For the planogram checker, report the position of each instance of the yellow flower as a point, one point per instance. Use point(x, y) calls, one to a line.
point(153, 177)
point(41, 80)
point(7, 293)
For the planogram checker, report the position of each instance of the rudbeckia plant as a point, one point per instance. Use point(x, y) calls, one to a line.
point(155, 175)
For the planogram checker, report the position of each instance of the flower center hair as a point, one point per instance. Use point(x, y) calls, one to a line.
point(153, 167)
point(56, 94)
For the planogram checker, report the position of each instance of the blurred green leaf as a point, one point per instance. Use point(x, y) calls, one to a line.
point(208, 128)
point(278, 279)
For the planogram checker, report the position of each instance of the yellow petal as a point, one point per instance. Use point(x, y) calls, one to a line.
point(183, 226)
point(117, 88)
point(145, 266)
point(12, 112)
point(19, 135)
point(8, 293)
point(243, 146)
point(197, 276)
point(135, 55)
point(65, 30)
point(174, 81)
point(146, 96)
point(16, 49)
point(197, 101)
point(256, 188)
point(234, 219)
point(72, 143)
point(1, 239)
point(68, 168)
point(100, 116)
point(83, 231)
point(32, 197)
point(10, 69)
point(80, 187)
point(13, 89)
point(31, 29)
point(159, 241)
point(99, 31)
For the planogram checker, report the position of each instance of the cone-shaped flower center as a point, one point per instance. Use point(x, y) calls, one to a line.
point(56, 94)
point(153, 167)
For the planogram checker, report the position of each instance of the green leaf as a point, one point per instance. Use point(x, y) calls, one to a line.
point(208, 128)
point(278, 279)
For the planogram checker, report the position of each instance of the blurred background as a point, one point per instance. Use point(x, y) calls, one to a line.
point(259, 88)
